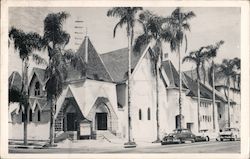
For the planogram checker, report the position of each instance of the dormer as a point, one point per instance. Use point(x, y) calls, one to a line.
point(37, 83)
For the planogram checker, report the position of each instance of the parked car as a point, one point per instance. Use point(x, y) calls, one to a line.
point(201, 138)
point(229, 133)
point(178, 136)
point(203, 135)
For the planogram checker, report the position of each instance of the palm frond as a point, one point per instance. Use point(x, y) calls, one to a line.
point(189, 58)
point(39, 60)
point(188, 15)
point(141, 41)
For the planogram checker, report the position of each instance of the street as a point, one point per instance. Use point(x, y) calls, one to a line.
point(199, 147)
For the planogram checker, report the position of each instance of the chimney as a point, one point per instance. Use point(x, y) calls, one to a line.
point(86, 49)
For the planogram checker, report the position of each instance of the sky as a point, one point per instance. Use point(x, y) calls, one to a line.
point(208, 27)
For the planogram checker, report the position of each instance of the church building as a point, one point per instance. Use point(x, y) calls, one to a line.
point(94, 105)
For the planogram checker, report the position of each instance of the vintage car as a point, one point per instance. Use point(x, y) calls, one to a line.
point(203, 135)
point(229, 133)
point(178, 136)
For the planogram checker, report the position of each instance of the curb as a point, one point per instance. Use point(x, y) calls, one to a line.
point(31, 147)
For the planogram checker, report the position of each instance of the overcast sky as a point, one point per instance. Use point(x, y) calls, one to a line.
point(209, 26)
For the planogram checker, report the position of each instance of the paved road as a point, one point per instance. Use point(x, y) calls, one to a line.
point(200, 147)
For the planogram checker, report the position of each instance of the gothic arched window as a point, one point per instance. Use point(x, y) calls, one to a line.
point(30, 115)
point(149, 114)
point(140, 114)
point(38, 115)
point(37, 89)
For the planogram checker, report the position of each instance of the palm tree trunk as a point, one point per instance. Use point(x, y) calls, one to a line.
point(129, 85)
point(157, 103)
point(25, 92)
point(213, 85)
point(52, 120)
point(228, 101)
point(199, 98)
point(25, 124)
point(180, 88)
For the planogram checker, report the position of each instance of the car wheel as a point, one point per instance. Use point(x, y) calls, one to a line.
point(221, 139)
point(207, 138)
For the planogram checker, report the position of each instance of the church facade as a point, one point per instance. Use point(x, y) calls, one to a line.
point(94, 106)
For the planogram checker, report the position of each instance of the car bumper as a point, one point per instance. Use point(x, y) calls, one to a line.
point(174, 141)
point(226, 137)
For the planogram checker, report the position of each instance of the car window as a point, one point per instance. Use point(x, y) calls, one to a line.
point(230, 129)
point(185, 131)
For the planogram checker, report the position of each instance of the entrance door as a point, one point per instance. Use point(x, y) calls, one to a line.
point(101, 119)
point(71, 122)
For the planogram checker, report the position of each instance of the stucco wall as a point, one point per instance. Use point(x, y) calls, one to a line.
point(35, 131)
point(143, 97)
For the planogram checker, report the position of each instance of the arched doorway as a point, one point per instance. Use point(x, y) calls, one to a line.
point(102, 117)
point(71, 115)
point(70, 118)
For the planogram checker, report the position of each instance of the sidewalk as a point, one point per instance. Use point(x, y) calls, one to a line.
point(85, 144)
point(99, 144)
point(31, 144)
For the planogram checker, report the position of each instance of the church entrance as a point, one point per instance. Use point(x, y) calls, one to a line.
point(101, 119)
point(71, 122)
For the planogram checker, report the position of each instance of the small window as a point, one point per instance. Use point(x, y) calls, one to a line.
point(140, 115)
point(220, 116)
point(218, 105)
point(37, 89)
point(38, 115)
point(30, 115)
point(149, 115)
point(166, 55)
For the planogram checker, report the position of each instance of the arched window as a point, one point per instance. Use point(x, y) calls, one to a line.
point(30, 115)
point(140, 115)
point(38, 115)
point(37, 89)
point(149, 115)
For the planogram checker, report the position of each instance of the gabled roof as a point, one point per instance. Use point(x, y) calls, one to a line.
point(95, 66)
point(40, 74)
point(117, 62)
point(205, 92)
point(172, 74)
point(15, 80)
point(42, 102)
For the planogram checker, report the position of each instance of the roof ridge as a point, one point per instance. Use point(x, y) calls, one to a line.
point(105, 68)
point(114, 50)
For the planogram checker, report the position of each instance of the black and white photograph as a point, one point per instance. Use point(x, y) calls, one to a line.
point(125, 79)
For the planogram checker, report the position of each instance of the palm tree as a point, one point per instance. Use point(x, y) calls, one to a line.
point(25, 44)
point(227, 70)
point(211, 54)
point(198, 57)
point(153, 31)
point(54, 40)
point(179, 22)
point(126, 17)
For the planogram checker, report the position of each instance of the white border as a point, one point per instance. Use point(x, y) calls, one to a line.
point(94, 3)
